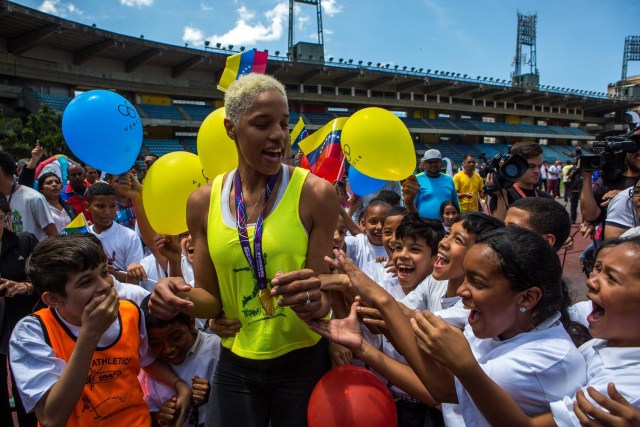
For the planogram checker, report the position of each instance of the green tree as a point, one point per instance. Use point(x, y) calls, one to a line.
point(45, 125)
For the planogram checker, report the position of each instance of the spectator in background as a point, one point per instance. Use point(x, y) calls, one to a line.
point(553, 181)
point(468, 185)
point(126, 215)
point(75, 190)
point(566, 169)
point(18, 300)
point(27, 174)
point(425, 192)
point(49, 185)
point(525, 186)
point(544, 170)
point(29, 209)
point(92, 175)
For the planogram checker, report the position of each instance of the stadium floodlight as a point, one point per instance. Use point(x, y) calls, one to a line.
point(218, 45)
point(413, 68)
point(396, 66)
point(420, 70)
point(405, 68)
point(436, 72)
point(369, 64)
point(265, 51)
point(428, 70)
point(379, 64)
point(230, 47)
point(241, 48)
point(359, 62)
point(386, 65)
point(478, 78)
point(186, 45)
point(277, 53)
point(206, 43)
point(341, 60)
point(331, 59)
point(350, 61)
point(141, 36)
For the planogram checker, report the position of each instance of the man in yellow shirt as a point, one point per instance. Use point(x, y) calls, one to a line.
point(468, 185)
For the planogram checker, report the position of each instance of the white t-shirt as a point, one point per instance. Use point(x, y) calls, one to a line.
point(579, 311)
point(620, 211)
point(201, 361)
point(377, 272)
point(535, 368)
point(619, 365)
point(428, 295)
point(554, 172)
point(60, 217)
point(121, 245)
point(131, 292)
point(361, 251)
point(35, 365)
point(29, 212)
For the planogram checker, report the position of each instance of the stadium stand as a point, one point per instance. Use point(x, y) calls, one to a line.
point(197, 113)
point(161, 147)
point(162, 112)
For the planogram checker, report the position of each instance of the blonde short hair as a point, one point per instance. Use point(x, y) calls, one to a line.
point(243, 92)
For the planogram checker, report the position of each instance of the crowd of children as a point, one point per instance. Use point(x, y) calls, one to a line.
point(465, 318)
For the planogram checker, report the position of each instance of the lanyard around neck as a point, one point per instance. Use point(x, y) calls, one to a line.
point(520, 192)
point(255, 262)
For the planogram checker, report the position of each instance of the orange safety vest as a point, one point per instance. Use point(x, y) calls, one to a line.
point(112, 394)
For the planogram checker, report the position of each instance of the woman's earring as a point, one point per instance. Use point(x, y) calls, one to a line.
point(522, 309)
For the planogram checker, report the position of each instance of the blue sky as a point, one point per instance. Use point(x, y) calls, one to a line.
point(579, 45)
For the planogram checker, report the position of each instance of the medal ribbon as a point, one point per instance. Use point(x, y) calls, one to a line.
point(255, 262)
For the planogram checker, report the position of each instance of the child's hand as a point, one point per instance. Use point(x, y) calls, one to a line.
point(372, 319)
point(100, 313)
point(619, 412)
point(200, 389)
point(136, 272)
point(390, 268)
point(167, 413)
point(168, 246)
point(223, 327)
point(368, 290)
point(345, 332)
point(340, 355)
point(183, 402)
point(442, 342)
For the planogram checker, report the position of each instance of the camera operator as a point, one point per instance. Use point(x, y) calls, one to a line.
point(524, 186)
point(595, 197)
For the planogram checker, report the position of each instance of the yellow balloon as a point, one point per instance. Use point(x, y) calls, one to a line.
point(167, 186)
point(378, 144)
point(216, 150)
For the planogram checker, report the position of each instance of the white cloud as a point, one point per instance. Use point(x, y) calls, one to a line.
point(249, 32)
point(55, 7)
point(331, 7)
point(136, 3)
point(193, 36)
point(205, 7)
point(302, 22)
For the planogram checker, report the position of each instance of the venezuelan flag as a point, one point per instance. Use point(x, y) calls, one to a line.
point(78, 225)
point(323, 152)
point(240, 64)
point(298, 133)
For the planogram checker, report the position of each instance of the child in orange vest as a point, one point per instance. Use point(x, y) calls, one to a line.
point(76, 362)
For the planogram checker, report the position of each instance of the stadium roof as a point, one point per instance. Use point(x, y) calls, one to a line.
point(77, 50)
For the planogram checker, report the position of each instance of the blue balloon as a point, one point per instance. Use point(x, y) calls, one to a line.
point(103, 130)
point(361, 184)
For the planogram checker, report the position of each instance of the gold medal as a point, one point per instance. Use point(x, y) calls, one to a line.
point(267, 301)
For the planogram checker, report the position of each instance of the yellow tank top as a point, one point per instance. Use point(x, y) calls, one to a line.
point(112, 394)
point(284, 245)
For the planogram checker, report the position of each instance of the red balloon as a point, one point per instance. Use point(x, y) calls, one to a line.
point(351, 396)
